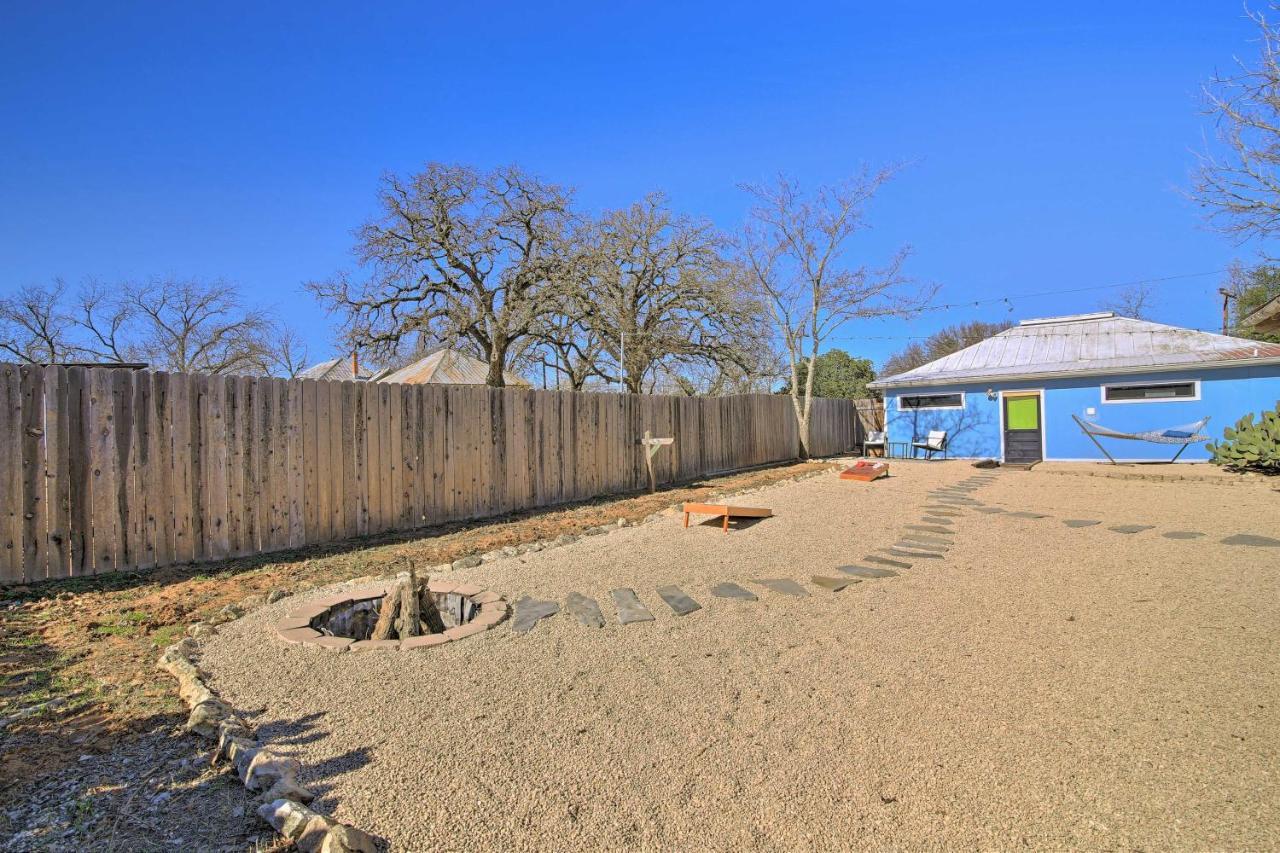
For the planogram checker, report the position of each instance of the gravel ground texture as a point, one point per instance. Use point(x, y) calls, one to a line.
point(1041, 685)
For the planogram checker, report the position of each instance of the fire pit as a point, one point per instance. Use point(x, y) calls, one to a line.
point(405, 614)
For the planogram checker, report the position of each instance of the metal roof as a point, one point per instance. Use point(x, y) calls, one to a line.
point(447, 367)
point(336, 368)
point(1085, 344)
point(1266, 317)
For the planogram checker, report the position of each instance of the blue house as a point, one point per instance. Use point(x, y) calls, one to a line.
point(1012, 396)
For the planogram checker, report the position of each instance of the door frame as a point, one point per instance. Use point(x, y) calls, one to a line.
point(1025, 392)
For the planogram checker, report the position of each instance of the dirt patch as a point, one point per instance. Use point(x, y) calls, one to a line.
point(82, 654)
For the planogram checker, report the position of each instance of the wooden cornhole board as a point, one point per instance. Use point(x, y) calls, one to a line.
point(865, 472)
point(727, 511)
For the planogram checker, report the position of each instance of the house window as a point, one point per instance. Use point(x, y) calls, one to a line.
point(1153, 392)
point(931, 401)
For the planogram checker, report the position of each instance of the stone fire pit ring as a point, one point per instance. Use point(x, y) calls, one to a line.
point(471, 610)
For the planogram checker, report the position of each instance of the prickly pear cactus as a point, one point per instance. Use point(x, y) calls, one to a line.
point(1250, 446)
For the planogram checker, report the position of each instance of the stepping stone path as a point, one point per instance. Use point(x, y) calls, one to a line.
point(929, 528)
point(1252, 540)
point(885, 561)
point(867, 572)
point(1080, 522)
point(586, 609)
point(529, 611)
point(786, 586)
point(732, 590)
point(1131, 528)
point(675, 598)
point(629, 607)
point(833, 584)
point(898, 552)
point(1182, 534)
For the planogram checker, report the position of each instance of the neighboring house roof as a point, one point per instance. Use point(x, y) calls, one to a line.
point(1085, 344)
point(447, 367)
point(337, 368)
point(1264, 318)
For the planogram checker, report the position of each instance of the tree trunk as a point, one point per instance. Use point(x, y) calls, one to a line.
point(387, 615)
point(409, 610)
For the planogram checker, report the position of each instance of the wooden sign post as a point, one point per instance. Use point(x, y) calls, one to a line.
point(651, 446)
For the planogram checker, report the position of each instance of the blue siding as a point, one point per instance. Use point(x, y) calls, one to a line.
point(1226, 394)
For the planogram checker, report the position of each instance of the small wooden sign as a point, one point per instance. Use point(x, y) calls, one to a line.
point(651, 446)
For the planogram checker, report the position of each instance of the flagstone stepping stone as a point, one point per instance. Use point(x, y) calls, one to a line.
point(1022, 513)
point(732, 590)
point(1182, 534)
point(898, 552)
point(940, 511)
point(929, 528)
point(586, 609)
point(529, 611)
point(786, 586)
point(629, 607)
point(833, 584)
point(1252, 540)
point(920, 546)
point(929, 519)
point(932, 539)
point(885, 561)
point(1080, 522)
point(675, 598)
point(1131, 528)
point(867, 572)
point(989, 510)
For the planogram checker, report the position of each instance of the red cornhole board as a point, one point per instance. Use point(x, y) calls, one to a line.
point(865, 472)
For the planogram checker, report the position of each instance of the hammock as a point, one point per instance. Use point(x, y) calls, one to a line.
point(1185, 435)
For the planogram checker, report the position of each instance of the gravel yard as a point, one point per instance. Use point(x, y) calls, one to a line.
point(1039, 684)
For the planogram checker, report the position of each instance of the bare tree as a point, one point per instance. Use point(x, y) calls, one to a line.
point(105, 315)
point(193, 326)
point(34, 327)
point(657, 293)
point(794, 248)
point(1241, 189)
point(286, 351)
point(1135, 301)
point(456, 256)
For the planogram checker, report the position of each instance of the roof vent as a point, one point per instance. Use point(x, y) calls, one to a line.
point(1070, 318)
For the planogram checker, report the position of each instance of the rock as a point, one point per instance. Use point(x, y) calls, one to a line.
point(629, 607)
point(287, 788)
point(786, 586)
point(533, 547)
point(511, 551)
point(529, 611)
point(252, 602)
point(622, 522)
point(565, 539)
point(986, 463)
point(1251, 539)
point(732, 590)
point(266, 768)
point(312, 837)
point(347, 839)
point(200, 631)
point(275, 595)
point(468, 562)
point(286, 817)
point(675, 598)
point(833, 584)
point(206, 717)
point(490, 556)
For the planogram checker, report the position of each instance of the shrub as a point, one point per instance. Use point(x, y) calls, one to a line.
point(1249, 446)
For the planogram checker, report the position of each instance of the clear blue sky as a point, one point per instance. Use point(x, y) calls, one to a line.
point(245, 141)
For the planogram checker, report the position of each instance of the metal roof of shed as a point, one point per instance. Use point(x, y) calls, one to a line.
point(1085, 344)
point(447, 367)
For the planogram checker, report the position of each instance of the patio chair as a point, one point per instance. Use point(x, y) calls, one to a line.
point(935, 443)
point(874, 439)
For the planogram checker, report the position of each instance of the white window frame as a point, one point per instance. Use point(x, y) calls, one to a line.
point(902, 408)
point(1102, 391)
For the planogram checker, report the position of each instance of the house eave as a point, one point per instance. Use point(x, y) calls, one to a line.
point(941, 381)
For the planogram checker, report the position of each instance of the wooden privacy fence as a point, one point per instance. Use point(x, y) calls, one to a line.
point(109, 469)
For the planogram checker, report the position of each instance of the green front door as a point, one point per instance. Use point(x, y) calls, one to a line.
point(1022, 428)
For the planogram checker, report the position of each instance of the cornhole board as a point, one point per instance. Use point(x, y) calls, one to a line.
point(865, 472)
point(727, 511)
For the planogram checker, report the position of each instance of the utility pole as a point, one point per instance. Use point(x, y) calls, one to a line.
point(1227, 296)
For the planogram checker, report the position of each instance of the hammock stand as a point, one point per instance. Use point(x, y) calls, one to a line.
point(1186, 435)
